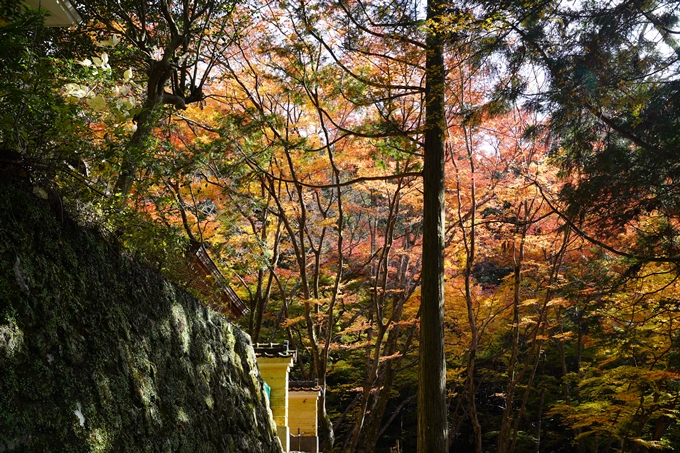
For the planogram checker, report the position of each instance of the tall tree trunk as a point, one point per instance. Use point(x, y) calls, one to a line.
point(159, 74)
point(145, 120)
point(432, 423)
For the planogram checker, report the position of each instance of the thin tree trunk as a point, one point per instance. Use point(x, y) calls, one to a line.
point(469, 241)
point(374, 374)
point(518, 258)
point(539, 418)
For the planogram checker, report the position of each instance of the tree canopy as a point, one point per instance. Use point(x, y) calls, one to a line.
point(463, 215)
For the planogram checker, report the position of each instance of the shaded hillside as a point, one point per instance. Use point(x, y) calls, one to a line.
point(98, 353)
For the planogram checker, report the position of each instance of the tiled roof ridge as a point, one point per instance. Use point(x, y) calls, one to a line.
point(274, 350)
point(304, 386)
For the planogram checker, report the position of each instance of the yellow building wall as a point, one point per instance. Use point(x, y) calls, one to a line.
point(274, 371)
point(302, 412)
point(278, 397)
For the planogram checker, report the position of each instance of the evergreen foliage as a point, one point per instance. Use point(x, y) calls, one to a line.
point(302, 162)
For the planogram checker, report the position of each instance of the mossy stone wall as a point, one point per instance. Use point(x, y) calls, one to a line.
point(99, 354)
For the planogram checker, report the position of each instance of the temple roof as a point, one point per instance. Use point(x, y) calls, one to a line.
point(274, 350)
point(304, 386)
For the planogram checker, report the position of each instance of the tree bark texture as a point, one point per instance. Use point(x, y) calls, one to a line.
point(432, 423)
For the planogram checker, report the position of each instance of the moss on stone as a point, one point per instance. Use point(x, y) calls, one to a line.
point(99, 354)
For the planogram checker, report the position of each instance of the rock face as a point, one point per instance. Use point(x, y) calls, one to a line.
point(98, 353)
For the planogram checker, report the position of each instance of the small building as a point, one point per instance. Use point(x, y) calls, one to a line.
point(275, 361)
point(303, 398)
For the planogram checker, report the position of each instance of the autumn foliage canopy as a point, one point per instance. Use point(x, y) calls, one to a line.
point(290, 139)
